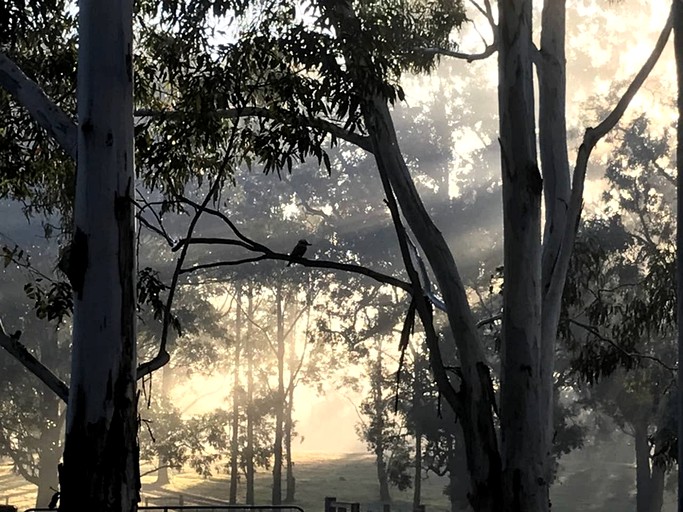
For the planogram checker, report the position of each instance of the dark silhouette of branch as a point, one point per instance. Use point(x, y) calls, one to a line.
point(32, 364)
point(361, 141)
point(487, 11)
point(631, 355)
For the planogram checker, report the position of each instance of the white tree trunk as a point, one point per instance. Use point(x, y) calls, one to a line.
point(557, 191)
point(525, 486)
point(101, 458)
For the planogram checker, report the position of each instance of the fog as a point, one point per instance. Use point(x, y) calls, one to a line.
point(317, 349)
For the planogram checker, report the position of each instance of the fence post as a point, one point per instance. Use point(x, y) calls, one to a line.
point(329, 503)
point(181, 500)
point(386, 507)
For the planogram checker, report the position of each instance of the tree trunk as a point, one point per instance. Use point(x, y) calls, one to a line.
point(49, 449)
point(249, 463)
point(525, 486)
point(678, 52)
point(378, 406)
point(417, 402)
point(101, 467)
point(643, 483)
point(474, 399)
point(163, 477)
point(280, 401)
point(234, 446)
point(657, 481)
point(417, 484)
point(557, 191)
point(289, 464)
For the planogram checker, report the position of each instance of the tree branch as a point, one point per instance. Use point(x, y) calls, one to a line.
point(41, 108)
point(590, 139)
point(631, 355)
point(21, 354)
point(361, 141)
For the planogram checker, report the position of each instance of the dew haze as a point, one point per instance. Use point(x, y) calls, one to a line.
point(327, 340)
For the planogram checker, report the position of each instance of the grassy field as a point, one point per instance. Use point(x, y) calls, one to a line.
point(599, 480)
point(348, 477)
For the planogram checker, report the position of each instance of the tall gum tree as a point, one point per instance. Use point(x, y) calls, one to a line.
point(100, 469)
point(515, 477)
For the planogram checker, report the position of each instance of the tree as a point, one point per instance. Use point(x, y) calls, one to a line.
point(620, 318)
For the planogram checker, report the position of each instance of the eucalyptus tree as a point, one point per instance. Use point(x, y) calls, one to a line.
point(620, 320)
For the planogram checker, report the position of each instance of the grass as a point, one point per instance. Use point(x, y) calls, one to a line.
point(594, 479)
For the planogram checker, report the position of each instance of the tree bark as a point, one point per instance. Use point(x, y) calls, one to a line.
point(678, 52)
point(250, 401)
point(378, 406)
point(417, 476)
point(552, 88)
point(280, 401)
point(163, 477)
point(289, 463)
point(101, 467)
point(643, 483)
point(234, 446)
point(49, 450)
point(525, 486)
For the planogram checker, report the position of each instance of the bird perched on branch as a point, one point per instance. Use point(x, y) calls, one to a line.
point(299, 250)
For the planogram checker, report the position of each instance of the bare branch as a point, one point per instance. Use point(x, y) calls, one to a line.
point(21, 354)
point(41, 108)
point(469, 57)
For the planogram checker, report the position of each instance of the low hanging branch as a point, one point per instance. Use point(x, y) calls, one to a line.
point(12, 344)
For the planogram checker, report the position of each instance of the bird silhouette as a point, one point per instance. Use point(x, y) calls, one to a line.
point(53, 502)
point(298, 251)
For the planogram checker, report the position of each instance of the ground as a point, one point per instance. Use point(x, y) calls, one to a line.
point(592, 479)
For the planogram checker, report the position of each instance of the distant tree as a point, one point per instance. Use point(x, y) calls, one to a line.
point(620, 318)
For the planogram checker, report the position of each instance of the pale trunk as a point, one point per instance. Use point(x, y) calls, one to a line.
point(163, 477)
point(557, 191)
point(474, 398)
point(378, 406)
point(49, 449)
point(250, 403)
point(280, 401)
point(289, 463)
point(525, 485)
point(101, 469)
point(234, 446)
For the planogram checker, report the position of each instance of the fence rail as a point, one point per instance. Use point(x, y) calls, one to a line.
point(167, 508)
